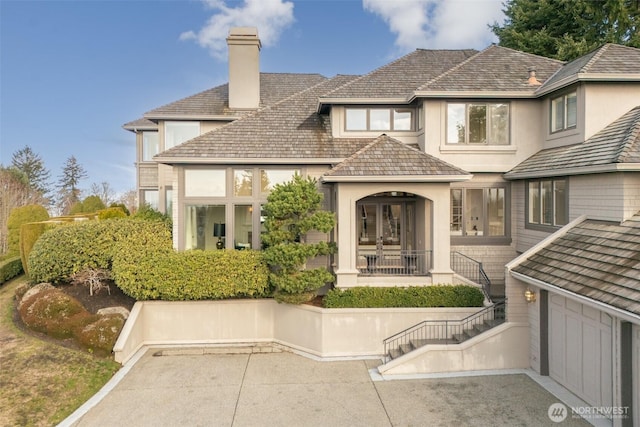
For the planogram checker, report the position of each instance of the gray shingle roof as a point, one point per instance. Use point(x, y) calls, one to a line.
point(617, 143)
point(608, 59)
point(290, 129)
point(494, 69)
point(386, 156)
point(140, 124)
point(214, 102)
point(401, 77)
point(599, 260)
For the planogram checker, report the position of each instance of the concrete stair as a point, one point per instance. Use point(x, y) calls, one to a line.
point(469, 333)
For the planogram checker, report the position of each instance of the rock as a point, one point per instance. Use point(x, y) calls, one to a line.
point(34, 290)
point(114, 310)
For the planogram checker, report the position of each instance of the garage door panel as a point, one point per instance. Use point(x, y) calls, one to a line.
point(580, 350)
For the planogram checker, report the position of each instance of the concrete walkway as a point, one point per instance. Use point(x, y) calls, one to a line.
point(268, 387)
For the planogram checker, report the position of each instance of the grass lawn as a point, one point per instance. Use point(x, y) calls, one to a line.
point(42, 382)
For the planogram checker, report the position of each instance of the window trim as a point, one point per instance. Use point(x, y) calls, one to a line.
point(392, 110)
point(564, 97)
point(458, 240)
point(541, 226)
point(487, 142)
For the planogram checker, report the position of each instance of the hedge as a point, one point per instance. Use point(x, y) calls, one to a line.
point(415, 296)
point(70, 248)
point(10, 268)
point(190, 275)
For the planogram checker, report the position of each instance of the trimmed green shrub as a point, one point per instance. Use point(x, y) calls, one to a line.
point(414, 296)
point(19, 216)
point(191, 275)
point(29, 235)
point(10, 268)
point(70, 248)
point(113, 212)
point(146, 212)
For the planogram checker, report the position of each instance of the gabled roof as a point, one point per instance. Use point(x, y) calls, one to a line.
point(598, 260)
point(608, 61)
point(140, 124)
point(617, 144)
point(286, 131)
point(387, 159)
point(398, 79)
point(214, 102)
point(494, 70)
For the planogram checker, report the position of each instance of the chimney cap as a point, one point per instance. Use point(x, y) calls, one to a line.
point(243, 31)
point(532, 80)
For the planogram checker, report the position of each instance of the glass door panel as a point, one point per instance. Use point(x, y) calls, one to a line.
point(368, 224)
point(391, 224)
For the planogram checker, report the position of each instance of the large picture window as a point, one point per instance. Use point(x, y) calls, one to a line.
point(564, 112)
point(205, 182)
point(150, 145)
point(379, 119)
point(478, 123)
point(478, 212)
point(547, 202)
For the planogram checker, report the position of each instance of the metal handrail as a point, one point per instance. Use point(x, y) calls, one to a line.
point(471, 269)
point(444, 331)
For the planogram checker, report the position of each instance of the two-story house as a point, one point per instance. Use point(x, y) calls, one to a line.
point(440, 166)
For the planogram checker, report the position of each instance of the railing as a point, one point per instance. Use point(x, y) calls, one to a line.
point(394, 262)
point(445, 331)
point(472, 270)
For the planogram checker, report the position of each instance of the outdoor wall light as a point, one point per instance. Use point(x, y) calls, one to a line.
point(529, 295)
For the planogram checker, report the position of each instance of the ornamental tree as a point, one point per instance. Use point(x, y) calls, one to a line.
point(292, 211)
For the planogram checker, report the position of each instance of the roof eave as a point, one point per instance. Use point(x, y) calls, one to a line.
point(397, 178)
point(587, 77)
point(138, 128)
point(585, 170)
point(493, 94)
point(182, 117)
point(325, 102)
point(246, 160)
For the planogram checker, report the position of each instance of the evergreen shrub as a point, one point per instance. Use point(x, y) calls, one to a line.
point(190, 275)
point(19, 216)
point(10, 268)
point(70, 248)
point(414, 296)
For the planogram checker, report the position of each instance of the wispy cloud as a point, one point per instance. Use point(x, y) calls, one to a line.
point(438, 24)
point(271, 17)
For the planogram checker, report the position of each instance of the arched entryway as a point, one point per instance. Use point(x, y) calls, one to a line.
point(392, 234)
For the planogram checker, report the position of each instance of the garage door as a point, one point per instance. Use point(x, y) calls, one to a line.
point(580, 350)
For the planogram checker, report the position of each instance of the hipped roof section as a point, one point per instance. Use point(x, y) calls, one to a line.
point(616, 145)
point(386, 158)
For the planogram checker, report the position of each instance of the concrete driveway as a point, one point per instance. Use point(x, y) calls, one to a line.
point(268, 387)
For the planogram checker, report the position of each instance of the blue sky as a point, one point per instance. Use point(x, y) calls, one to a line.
point(73, 72)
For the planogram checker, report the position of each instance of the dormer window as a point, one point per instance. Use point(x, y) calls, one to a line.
point(379, 119)
point(478, 123)
point(564, 112)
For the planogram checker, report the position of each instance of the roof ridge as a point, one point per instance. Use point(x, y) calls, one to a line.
point(454, 68)
point(597, 54)
point(632, 137)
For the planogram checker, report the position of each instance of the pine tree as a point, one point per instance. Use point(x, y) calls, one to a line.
point(30, 163)
point(567, 29)
point(68, 181)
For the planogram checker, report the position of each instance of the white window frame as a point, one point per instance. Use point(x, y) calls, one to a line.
point(488, 123)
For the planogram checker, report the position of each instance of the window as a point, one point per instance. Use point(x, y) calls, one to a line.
point(243, 182)
point(547, 201)
point(150, 145)
point(243, 226)
point(150, 197)
point(478, 123)
point(205, 227)
point(478, 212)
point(269, 178)
point(175, 133)
point(564, 112)
point(379, 119)
point(204, 182)
point(168, 200)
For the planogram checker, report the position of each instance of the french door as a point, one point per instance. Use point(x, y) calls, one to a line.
point(385, 225)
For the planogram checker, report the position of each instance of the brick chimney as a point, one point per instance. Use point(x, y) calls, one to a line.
point(244, 68)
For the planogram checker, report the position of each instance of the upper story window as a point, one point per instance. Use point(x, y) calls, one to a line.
point(478, 123)
point(269, 178)
point(379, 119)
point(150, 145)
point(205, 182)
point(564, 112)
point(548, 202)
point(175, 133)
